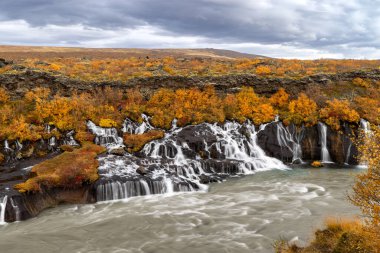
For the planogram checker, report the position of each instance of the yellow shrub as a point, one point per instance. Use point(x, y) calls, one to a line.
point(107, 123)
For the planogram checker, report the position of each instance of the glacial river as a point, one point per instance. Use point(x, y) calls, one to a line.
point(240, 215)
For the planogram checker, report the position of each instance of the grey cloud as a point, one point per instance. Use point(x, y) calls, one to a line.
point(302, 23)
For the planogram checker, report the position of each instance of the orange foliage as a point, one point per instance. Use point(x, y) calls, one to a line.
point(280, 99)
point(303, 110)
point(369, 108)
point(263, 70)
point(189, 106)
point(337, 111)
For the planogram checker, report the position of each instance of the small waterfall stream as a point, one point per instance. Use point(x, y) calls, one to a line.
point(3, 205)
point(365, 126)
point(290, 138)
point(325, 155)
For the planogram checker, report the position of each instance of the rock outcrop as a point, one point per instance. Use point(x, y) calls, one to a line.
point(18, 84)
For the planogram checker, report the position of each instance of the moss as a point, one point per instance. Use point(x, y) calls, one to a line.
point(135, 142)
point(68, 170)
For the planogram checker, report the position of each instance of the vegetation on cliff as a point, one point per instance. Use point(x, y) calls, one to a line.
point(68, 170)
point(25, 119)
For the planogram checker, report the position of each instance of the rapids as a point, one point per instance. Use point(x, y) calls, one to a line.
point(240, 215)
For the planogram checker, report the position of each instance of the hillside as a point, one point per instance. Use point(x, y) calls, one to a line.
point(23, 52)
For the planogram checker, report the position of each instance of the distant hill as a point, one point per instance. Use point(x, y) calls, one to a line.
point(22, 52)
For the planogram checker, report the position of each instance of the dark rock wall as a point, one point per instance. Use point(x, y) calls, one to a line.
point(19, 84)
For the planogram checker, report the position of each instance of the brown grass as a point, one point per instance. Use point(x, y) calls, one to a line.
point(68, 170)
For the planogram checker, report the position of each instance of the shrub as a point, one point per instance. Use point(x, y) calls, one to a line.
point(107, 123)
point(263, 70)
point(317, 164)
point(361, 82)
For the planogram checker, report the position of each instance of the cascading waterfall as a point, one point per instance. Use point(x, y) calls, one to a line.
point(174, 163)
point(132, 127)
point(107, 137)
point(3, 206)
point(291, 139)
point(325, 155)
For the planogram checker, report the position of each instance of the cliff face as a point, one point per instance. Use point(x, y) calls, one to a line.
point(18, 84)
point(296, 144)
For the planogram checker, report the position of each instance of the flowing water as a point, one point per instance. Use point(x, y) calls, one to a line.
point(239, 215)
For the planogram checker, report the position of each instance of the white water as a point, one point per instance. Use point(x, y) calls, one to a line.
point(107, 137)
point(348, 154)
point(3, 205)
point(170, 169)
point(242, 215)
point(366, 126)
point(136, 128)
point(285, 137)
point(325, 155)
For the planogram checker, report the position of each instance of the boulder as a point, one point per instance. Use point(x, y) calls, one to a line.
point(141, 170)
point(117, 151)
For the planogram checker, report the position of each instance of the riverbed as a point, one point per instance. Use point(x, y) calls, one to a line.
point(242, 214)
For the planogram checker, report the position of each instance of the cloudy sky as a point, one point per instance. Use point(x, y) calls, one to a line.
point(277, 28)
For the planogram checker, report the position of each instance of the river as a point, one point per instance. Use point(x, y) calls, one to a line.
point(240, 215)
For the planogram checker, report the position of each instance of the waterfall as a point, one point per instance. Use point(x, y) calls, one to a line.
point(290, 139)
point(6, 146)
point(107, 137)
point(69, 139)
point(3, 206)
point(132, 127)
point(325, 155)
point(174, 163)
point(366, 126)
point(348, 154)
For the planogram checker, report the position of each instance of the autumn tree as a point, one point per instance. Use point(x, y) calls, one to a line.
point(367, 186)
point(336, 111)
point(303, 110)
